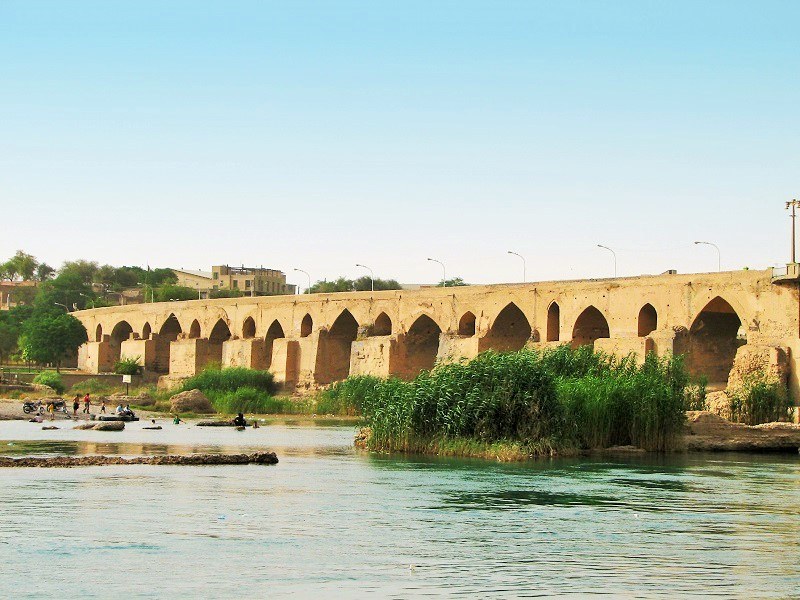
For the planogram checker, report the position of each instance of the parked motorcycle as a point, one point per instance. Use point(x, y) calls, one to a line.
point(30, 407)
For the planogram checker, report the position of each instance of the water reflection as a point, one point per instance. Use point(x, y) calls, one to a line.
point(332, 522)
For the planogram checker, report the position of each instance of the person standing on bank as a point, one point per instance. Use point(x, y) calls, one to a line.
point(86, 404)
point(76, 404)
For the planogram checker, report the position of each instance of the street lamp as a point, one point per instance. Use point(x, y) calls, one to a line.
point(612, 252)
point(524, 277)
point(371, 275)
point(794, 204)
point(66, 308)
point(719, 255)
point(87, 297)
point(444, 272)
point(307, 275)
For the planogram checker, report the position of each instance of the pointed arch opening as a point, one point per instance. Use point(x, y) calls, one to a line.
point(648, 320)
point(553, 322)
point(98, 333)
point(168, 333)
point(422, 345)
point(591, 325)
point(339, 341)
point(714, 338)
point(146, 331)
point(509, 332)
point(220, 333)
point(274, 332)
point(194, 330)
point(121, 332)
point(466, 324)
point(383, 325)
point(249, 328)
point(306, 325)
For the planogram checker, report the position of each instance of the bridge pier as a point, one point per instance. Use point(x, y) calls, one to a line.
point(143, 349)
point(188, 356)
point(250, 353)
point(97, 357)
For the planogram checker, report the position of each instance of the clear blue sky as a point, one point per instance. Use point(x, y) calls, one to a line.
point(321, 134)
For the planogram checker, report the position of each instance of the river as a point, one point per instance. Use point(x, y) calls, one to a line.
point(333, 522)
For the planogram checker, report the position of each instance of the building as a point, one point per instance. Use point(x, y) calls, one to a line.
point(252, 281)
point(13, 293)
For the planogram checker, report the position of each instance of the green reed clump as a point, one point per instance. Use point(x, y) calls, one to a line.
point(229, 379)
point(544, 400)
point(251, 400)
point(759, 399)
point(345, 397)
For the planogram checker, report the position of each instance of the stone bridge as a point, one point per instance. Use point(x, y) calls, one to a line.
point(312, 340)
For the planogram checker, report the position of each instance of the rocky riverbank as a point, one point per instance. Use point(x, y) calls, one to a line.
point(257, 458)
point(708, 432)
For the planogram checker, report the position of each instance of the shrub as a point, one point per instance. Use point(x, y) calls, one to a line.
point(128, 366)
point(51, 379)
point(759, 399)
point(252, 400)
point(345, 397)
point(213, 379)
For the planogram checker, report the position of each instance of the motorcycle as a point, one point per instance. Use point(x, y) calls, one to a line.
point(29, 407)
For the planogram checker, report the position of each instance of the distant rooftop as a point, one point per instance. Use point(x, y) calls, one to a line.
point(206, 274)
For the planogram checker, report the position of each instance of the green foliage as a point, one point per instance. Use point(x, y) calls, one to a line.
point(345, 397)
point(128, 366)
point(759, 400)
point(454, 282)
point(252, 400)
point(362, 284)
point(92, 386)
point(48, 336)
point(174, 292)
point(541, 400)
point(11, 328)
point(21, 265)
point(235, 389)
point(51, 379)
point(230, 293)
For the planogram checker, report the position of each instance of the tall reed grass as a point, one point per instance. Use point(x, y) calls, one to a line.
point(547, 401)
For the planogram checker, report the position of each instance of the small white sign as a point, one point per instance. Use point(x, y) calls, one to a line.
point(126, 379)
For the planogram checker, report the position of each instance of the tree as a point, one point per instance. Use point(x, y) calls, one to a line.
point(44, 272)
point(454, 282)
point(48, 336)
point(174, 292)
point(24, 264)
point(83, 270)
point(10, 328)
point(362, 284)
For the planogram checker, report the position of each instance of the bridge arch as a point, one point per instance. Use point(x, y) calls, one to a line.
point(220, 333)
point(249, 328)
point(98, 333)
point(306, 326)
point(382, 326)
point(168, 333)
point(121, 332)
point(553, 322)
point(339, 342)
point(194, 330)
point(466, 324)
point(422, 345)
point(146, 331)
point(274, 332)
point(647, 322)
point(590, 326)
point(714, 337)
point(510, 330)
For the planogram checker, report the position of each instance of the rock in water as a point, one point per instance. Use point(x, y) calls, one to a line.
point(102, 426)
point(191, 401)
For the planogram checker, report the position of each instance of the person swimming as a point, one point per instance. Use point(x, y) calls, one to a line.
point(240, 421)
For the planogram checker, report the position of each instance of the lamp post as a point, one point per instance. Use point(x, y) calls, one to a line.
point(524, 276)
point(371, 275)
point(307, 275)
point(794, 204)
point(66, 308)
point(613, 253)
point(719, 254)
point(444, 271)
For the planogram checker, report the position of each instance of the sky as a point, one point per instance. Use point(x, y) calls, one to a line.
point(318, 135)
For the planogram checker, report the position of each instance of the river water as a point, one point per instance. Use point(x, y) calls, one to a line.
point(332, 522)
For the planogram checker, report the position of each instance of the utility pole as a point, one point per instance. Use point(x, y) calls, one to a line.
point(794, 204)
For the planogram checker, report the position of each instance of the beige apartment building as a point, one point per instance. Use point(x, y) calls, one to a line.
point(251, 281)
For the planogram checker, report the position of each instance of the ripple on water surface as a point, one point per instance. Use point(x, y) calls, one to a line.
point(332, 522)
